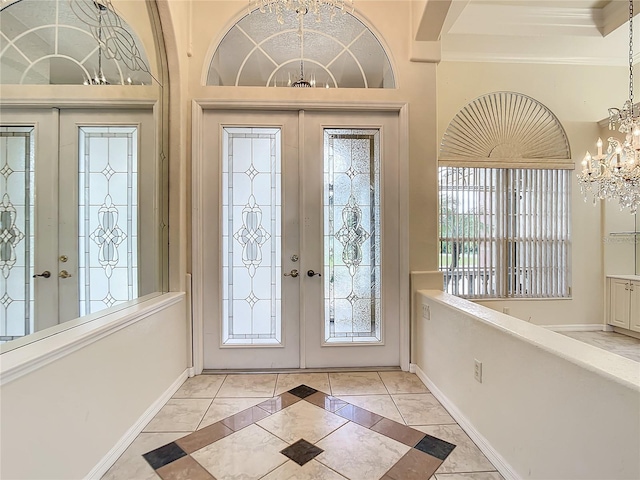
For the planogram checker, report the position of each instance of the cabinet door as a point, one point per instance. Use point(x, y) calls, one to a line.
point(634, 313)
point(619, 303)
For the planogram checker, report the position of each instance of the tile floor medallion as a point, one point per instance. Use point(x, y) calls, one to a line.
point(303, 433)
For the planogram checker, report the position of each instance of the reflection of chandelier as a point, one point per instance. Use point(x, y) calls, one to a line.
point(615, 174)
point(301, 7)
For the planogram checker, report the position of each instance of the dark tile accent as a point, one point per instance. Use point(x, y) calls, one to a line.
point(278, 403)
point(201, 438)
point(415, 465)
point(403, 434)
point(185, 468)
point(164, 455)
point(329, 403)
point(244, 418)
point(359, 415)
point(301, 451)
point(435, 447)
point(302, 391)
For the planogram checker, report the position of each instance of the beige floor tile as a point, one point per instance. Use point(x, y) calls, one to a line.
point(402, 382)
point(131, 465)
point(179, 415)
point(380, 404)
point(311, 470)
point(466, 457)
point(287, 381)
point(470, 476)
point(222, 408)
point(359, 453)
point(201, 386)
point(302, 420)
point(356, 383)
point(255, 385)
point(247, 454)
point(421, 409)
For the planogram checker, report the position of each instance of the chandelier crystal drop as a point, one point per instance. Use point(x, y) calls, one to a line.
point(300, 7)
point(615, 173)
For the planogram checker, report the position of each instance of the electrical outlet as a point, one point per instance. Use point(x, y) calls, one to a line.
point(426, 313)
point(477, 370)
point(506, 310)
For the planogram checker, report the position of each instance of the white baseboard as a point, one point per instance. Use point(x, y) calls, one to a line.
point(585, 327)
point(127, 439)
point(483, 444)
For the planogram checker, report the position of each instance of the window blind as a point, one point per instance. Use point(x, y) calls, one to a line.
point(505, 233)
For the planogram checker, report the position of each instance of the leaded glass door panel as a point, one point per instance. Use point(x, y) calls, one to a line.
point(108, 244)
point(351, 235)
point(251, 234)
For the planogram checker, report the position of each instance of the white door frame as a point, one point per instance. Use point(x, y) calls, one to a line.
point(197, 245)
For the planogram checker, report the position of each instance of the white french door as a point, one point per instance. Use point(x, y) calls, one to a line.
point(70, 189)
point(299, 237)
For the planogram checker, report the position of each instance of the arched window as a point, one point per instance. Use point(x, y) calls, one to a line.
point(60, 44)
point(339, 51)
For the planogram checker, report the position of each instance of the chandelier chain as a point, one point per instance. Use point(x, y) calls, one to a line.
point(631, 54)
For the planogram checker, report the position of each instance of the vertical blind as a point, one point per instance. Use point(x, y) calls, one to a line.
point(505, 233)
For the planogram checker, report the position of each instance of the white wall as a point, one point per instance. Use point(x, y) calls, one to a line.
point(552, 407)
point(60, 420)
point(579, 96)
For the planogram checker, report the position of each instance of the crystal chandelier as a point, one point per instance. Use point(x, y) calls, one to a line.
point(300, 7)
point(615, 173)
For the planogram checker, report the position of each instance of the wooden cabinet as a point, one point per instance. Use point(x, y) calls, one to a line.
point(624, 303)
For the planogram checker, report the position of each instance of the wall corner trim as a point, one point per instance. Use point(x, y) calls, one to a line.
point(130, 435)
point(21, 361)
point(483, 444)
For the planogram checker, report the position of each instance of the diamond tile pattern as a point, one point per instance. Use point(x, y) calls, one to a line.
point(302, 391)
point(301, 451)
point(339, 439)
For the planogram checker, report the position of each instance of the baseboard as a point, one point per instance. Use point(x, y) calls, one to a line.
point(585, 327)
point(127, 439)
point(483, 444)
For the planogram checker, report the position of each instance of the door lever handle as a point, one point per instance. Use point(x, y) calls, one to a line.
point(293, 273)
point(311, 273)
point(45, 274)
point(64, 274)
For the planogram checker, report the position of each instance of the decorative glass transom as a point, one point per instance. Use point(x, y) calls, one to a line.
point(17, 232)
point(107, 217)
point(340, 52)
point(57, 42)
point(251, 236)
point(352, 235)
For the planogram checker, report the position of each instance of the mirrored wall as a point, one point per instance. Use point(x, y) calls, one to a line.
point(83, 183)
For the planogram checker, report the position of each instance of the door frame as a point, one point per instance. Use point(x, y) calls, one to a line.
point(197, 188)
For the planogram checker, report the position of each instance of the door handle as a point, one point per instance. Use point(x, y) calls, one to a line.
point(64, 274)
point(45, 274)
point(294, 273)
point(311, 273)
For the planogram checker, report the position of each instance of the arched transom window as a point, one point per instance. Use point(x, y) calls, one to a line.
point(338, 51)
point(62, 42)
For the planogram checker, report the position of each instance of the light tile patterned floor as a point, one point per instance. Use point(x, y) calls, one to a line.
point(303, 426)
point(613, 342)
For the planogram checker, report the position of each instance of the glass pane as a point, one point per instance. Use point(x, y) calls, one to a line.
point(16, 232)
point(251, 216)
point(107, 217)
point(352, 235)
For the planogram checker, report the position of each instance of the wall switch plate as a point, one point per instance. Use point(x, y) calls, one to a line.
point(426, 313)
point(477, 370)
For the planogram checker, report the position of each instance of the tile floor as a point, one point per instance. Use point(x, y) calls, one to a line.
point(611, 341)
point(320, 426)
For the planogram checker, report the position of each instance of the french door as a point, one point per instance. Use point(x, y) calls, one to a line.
point(300, 239)
point(70, 214)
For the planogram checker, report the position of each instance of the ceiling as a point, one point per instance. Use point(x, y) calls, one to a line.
point(579, 32)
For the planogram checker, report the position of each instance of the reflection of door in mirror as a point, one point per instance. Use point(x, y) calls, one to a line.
point(87, 253)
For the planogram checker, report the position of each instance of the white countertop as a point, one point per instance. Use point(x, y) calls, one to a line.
point(626, 277)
